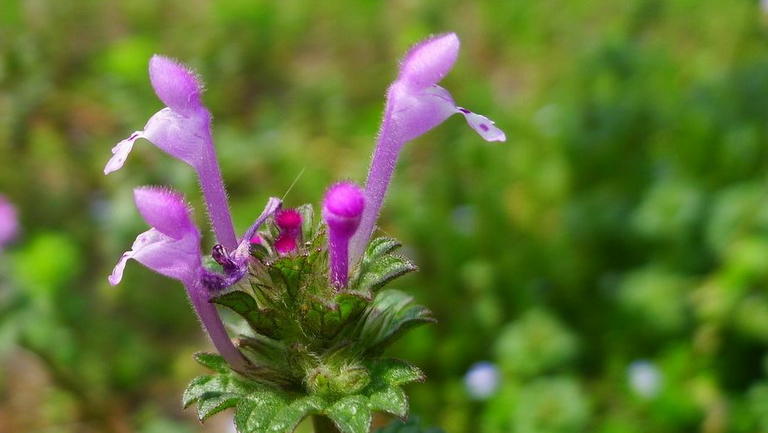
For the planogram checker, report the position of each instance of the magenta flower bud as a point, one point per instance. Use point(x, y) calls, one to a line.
point(343, 207)
point(289, 222)
point(285, 244)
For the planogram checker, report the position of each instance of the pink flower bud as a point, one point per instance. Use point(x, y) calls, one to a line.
point(342, 209)
point(285, 244)
point(289, 222)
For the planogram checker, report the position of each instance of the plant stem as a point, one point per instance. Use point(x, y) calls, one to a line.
point(323, 424)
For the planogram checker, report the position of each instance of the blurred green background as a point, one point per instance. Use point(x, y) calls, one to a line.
point(611, 259)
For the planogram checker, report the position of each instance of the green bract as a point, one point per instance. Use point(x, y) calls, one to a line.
point(314, 349)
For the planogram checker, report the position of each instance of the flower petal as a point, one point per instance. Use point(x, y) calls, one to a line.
point(179, 136)
point(165, 210)
point(175, 134)
point(415, 113)
point(429, 61)
point(175, 258)
point(240, 256)
point(483, 125)
point(120, 152)
point(178, 87)
point(117, 272)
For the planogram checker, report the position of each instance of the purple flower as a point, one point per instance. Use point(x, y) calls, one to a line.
point(415, 104)
point(9, 223)
point(172, 248)
point(235, 263)
point(183, 130)
point(342, 208)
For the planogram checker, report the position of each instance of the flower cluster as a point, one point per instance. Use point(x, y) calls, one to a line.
point(311, 294)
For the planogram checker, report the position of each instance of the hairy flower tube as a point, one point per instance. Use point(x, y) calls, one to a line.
point(183, 130)
point(316, 314)
point(415, 104)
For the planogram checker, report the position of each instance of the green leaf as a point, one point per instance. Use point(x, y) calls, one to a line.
point(254, 412)
point(351, 414)
point(212, 361)
point(381, 271)
point(395, 372)
point(307, 221)
point(350, 305)
point(381, 246)
point(287, 418)
point(326, 320)
point(290, 271)
point(391, 400)
point(211, 403)
point(384, 392)
point(263, 321)
point(388, 317)
point(195, 389)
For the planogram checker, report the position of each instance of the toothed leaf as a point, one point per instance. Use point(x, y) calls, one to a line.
point(395, 372)
point(212, 403)
point(263, 321)
point(390, 314)
point(381, 246)
point(351, 414)
point(350, 305)
point(212, 361)
point(326, 319)
point(287, 418)
point(391, 400)
point(382, 270)
point(290, 271)
point(195, 389)
point(254, 413)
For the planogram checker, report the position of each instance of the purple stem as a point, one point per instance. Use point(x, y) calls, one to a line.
point(215, 195)
point(214, 327)
point(388, 147)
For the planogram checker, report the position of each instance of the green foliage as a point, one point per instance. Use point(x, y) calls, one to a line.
point(536, 344)
point(313, 348)
point(261, 408)
point(412, 425)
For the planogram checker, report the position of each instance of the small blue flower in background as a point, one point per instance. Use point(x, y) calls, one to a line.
point(644, 378)
point(482, 380)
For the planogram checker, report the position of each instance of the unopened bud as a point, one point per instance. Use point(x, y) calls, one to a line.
point(285, 244)
point(342, 208)
point(289, 222)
